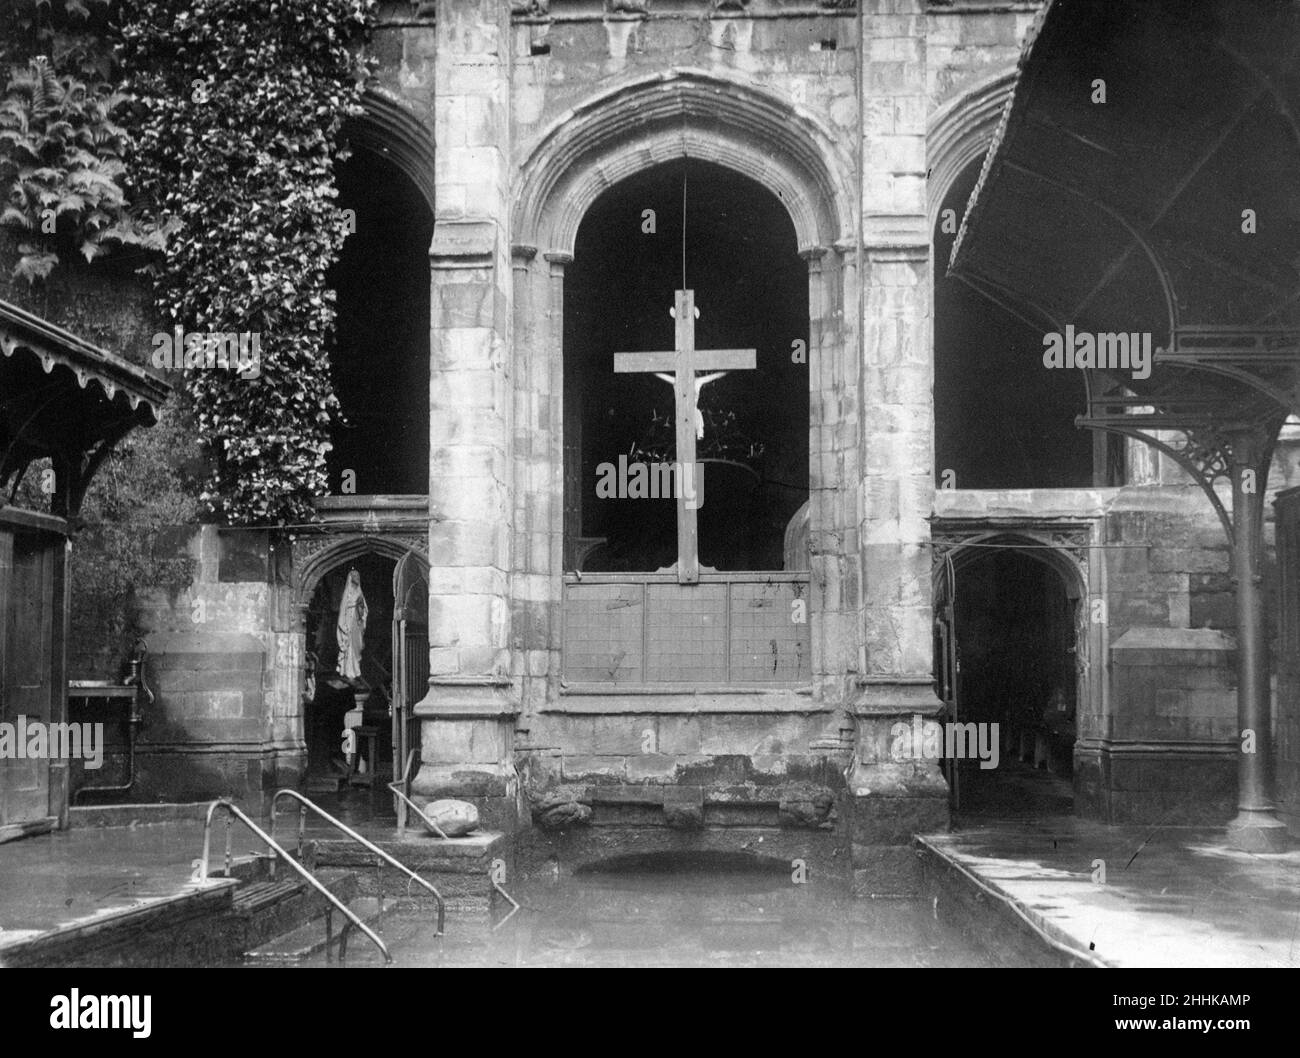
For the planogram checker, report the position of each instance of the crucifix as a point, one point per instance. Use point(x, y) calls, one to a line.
point(683, 362)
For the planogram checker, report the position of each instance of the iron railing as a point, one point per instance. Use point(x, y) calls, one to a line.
point(399, 788)
point(233, 813)
point(304, 805)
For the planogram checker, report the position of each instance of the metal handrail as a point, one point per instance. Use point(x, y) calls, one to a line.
point(397, 788)
point(305, 804)
point(407, 802)
point(513, 911)
point(307, 876)
point(401, 823)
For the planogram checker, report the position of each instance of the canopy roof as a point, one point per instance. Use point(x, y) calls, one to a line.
point(64, 399)
point(1141, 196)
point(1127, 215)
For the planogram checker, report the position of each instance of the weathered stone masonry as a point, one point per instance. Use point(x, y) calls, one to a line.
point(512, 119)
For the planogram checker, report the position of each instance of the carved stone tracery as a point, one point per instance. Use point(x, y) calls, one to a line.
point(316, 554)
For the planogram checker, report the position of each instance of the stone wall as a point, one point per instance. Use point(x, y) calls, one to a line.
point(227, 719)
point(969, 44)
point(103, 303)
point(1164, 746)
point(859, 86)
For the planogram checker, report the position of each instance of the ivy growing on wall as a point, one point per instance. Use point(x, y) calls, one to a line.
point(240, 104)
point(64, 143)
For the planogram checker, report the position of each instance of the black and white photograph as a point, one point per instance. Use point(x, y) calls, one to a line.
point(649, 484)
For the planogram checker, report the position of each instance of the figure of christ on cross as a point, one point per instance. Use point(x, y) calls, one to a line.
point(682, 363)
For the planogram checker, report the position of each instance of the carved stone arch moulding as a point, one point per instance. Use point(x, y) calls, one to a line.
point(317, 554)
point(960, 132)
point(1065, 548)
point(676, 114)
point(390, 129)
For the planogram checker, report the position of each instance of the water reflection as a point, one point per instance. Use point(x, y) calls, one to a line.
point(688, 919)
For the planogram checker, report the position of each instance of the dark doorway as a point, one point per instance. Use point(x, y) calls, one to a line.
point(333, 695)
point(380, 359)
point(1002, 420)
point(1016, 630)
point(751, 290)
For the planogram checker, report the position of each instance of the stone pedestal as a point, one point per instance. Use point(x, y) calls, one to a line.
point(467, 750)
point(892, 797)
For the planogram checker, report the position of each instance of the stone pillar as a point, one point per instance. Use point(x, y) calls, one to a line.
point(467, 717)
point(835, 473)
point(553, 350)
point(894, 799)
point(1256, 827)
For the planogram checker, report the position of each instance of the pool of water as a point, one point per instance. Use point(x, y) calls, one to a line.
point(682, 919)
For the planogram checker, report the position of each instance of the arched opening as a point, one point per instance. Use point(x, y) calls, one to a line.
point(751, 292)
point(667, 631)
point(1002, 420)
point(350, 680)
point(1015, 619)
point(380, 361)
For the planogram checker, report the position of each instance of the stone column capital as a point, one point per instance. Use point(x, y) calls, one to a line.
point(463, 243)
point(558, 261)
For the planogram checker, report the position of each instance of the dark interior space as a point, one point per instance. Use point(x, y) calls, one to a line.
point(751, 291)
point(333, 696)
point(380, 359)
point(1001, 419)
point(1016, 642)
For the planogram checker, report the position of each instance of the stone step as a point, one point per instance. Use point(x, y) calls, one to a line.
point(418, 851)
point(456, 867)
point(409, 933)
point(311, 937)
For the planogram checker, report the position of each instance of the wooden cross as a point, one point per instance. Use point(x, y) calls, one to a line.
point(683, 362)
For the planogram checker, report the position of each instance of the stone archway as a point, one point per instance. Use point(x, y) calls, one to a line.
point(682, 113)
point(390, 128)
point(701, 116)
point(314, 556)
point(1065, 550)
point(961, 131)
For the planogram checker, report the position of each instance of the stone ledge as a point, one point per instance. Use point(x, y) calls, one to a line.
point(130, 815)
point(1160, 748)
point(416, 851)
point(592, 699)
point(1042, 506)
point(1180, 639)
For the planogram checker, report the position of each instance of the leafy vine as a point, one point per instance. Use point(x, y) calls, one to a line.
point(241, 103)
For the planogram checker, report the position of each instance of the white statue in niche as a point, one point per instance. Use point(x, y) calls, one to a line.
point(351, 627)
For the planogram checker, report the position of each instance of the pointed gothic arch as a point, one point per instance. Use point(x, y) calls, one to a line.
point(316, 556)
point(1062, 548)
